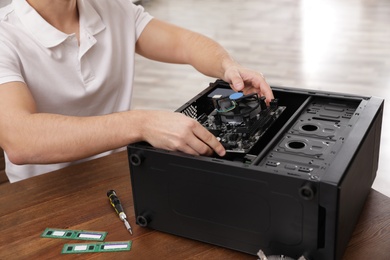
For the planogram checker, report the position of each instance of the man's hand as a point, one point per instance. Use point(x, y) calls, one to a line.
point(177, 132)
point(247, 81)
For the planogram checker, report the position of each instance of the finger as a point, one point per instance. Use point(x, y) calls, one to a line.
point(266, 89)
point(236, 81)
point(209, 139)
point(258, 84)
point(184, 145)
point(190, 143)
point(199, 147)
point(189, 150)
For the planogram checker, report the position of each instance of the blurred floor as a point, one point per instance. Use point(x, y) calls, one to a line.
point(330, 45)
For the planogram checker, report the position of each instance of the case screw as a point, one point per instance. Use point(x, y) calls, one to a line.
point(136, 159)
point(307, 191)
point(142, 221)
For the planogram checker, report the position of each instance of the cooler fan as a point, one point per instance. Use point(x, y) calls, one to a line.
point(238, 120)
point(239, 107)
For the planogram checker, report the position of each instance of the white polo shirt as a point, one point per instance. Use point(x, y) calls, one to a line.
point(94, 78)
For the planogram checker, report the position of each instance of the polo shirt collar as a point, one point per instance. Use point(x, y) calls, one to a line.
point(90, 20)
point(48, 35)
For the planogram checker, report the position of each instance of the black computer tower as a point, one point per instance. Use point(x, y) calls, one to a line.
point(296, 189)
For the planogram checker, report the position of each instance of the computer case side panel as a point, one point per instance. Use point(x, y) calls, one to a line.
point(358, 178)
point(224, 204)
point(347, 182)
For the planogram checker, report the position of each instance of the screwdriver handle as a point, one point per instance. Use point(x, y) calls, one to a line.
point(115, 202)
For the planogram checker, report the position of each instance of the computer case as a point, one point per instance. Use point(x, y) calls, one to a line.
point(296, 190)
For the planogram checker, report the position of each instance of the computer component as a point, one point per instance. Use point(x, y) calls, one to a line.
point(237, 120)
point(293, 182)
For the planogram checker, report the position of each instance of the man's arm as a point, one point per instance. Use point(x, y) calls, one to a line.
point(31, 137)
point(168, 43)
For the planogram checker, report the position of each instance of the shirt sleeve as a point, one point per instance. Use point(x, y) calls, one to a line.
point(10, 68)
point(142, 18)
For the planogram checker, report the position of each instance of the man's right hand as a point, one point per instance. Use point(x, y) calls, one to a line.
point(177, 132)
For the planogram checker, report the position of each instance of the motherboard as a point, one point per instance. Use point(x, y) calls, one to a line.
point(239, 121)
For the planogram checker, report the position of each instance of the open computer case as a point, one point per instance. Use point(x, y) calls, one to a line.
point(293, 182)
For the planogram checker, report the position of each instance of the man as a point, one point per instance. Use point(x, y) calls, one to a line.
point(66, 74)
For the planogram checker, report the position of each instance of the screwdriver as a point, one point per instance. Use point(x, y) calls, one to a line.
point(115, 202)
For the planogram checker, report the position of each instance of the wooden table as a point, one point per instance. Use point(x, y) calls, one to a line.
point(75, 198)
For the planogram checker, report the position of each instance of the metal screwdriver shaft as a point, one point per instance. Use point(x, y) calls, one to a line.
point(116, 204)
